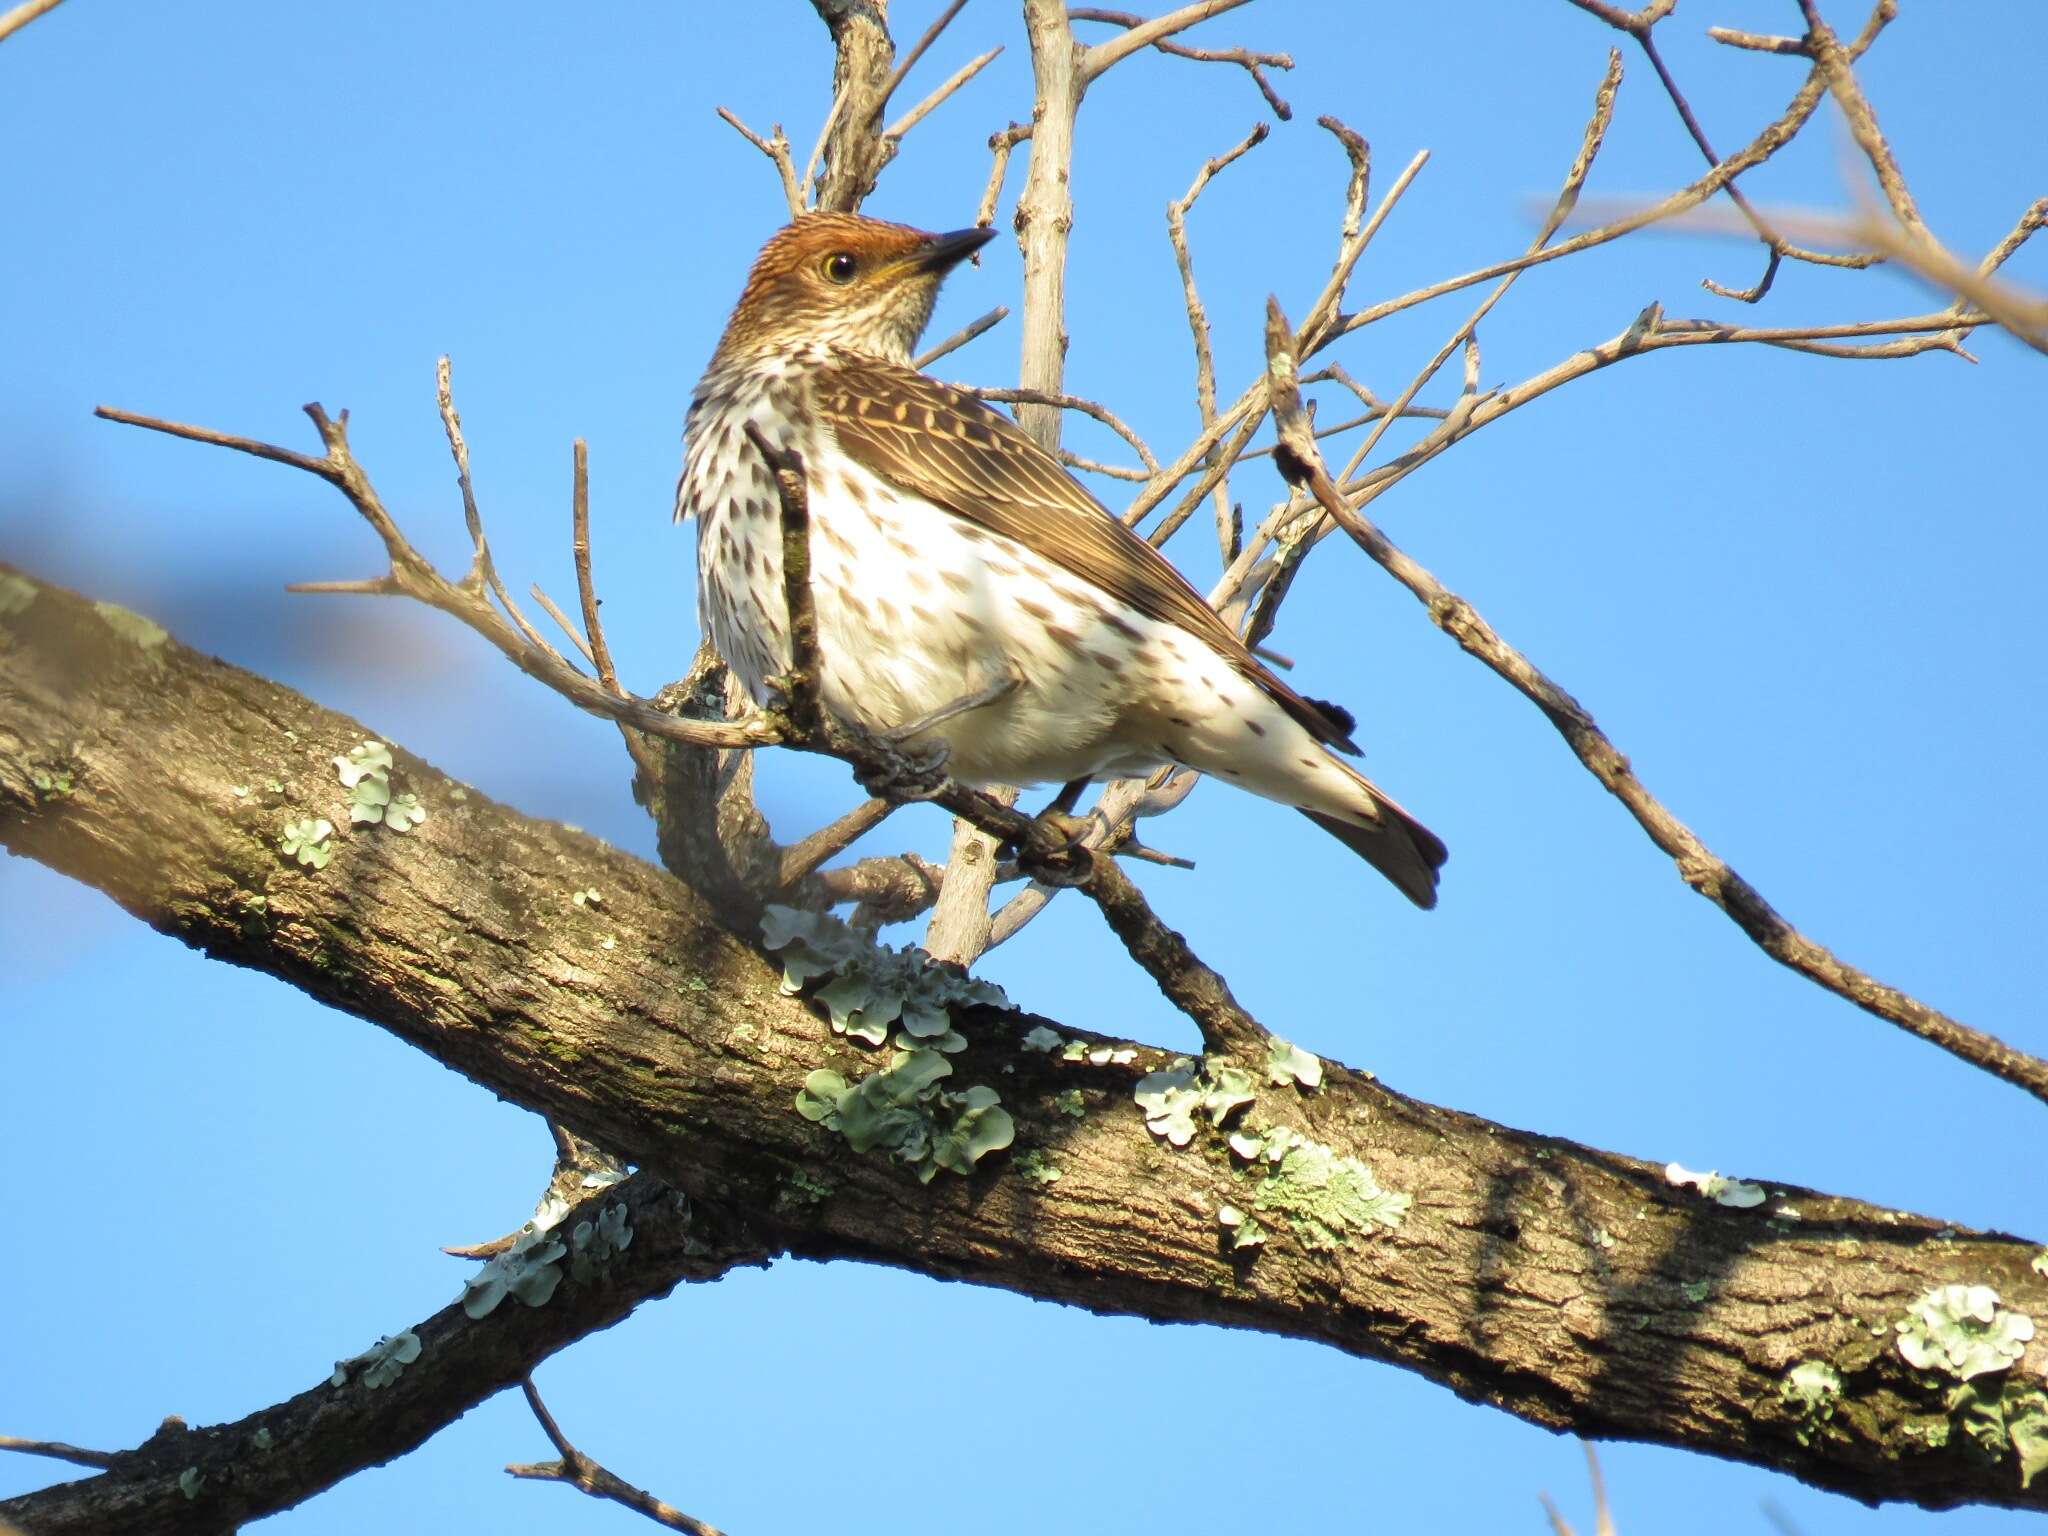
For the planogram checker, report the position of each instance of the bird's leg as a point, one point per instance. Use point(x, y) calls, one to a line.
point(1001, 688)
point(1063, 803)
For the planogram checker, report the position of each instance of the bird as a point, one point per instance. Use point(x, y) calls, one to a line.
point(965, 585)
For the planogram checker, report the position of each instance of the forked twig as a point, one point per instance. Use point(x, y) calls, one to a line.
point(412, 575)
point(1250, 60)
point(579, 1471)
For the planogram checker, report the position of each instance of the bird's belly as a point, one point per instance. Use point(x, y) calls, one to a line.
point(918, 610)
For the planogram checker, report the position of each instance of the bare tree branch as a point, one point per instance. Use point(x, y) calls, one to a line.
point(1252, 62)
point(1698, 865)
point(579, 1471)
point(13, 21)
point(1145, 34)
point(777, 151)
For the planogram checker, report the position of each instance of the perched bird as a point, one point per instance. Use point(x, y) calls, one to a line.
point(951, 556)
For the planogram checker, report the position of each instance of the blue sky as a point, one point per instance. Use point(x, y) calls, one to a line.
point(1800, 593)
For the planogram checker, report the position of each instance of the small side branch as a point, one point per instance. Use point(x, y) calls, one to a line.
point(13, 21)
point(1145, 34)
point(412, 575)
point(776, 148)
point(579, 1471)
point(57, 1450)
point(1698, 865)
point(1252, 62)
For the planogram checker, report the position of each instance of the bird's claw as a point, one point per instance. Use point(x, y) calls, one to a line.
point(890, 772)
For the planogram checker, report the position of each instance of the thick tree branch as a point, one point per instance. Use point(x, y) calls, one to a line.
point(1579, 1289)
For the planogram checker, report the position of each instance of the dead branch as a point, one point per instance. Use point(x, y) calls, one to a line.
point(411, 575)
point(13, 21)
point(961, 337)
point(571, 1466)
point(776, 148)
point(1252, 62)
point(1145, 34)
point(1698, 865)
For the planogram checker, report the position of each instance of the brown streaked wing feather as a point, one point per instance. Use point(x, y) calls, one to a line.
point(944, 445)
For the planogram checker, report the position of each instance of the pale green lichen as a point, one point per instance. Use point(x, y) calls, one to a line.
point(874, 988)
point(1720, 1190)
point(1041, 1039)
point(1327, 1197)
point(132, 626)
point(262, 1440)
point(594, 1244)
point(306, 840)
point(801, 1188)
point(2026, 1425)
point(1037, 1167)
point(1240, 1231)
point(530, 1270)
point(1287, 1063)
point(382, 1363)
point(1697, 1291)
point(190, 1481)
point(365, 772)
point(903, 1111)
point(16, 593)
point(1075, 1050)
point(1992, 1418)
point(586, 898)
point(1962, 1331)
point(51, 783)
point(1070, 1101)
point(1173, 1098)
point(1810, 1391)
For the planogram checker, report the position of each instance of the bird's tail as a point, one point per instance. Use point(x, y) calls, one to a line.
point(1387, 838)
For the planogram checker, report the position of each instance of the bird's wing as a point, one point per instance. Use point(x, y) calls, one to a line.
point(943, 445)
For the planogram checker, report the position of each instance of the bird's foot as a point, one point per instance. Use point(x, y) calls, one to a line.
point(892, 772)
point(1064, 857)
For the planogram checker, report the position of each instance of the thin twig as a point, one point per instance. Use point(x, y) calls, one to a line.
point(917, 114)
point(1698, 865)
point(411, 575)
point(1253, 62)
point(1101, 413)
point(56, 1450)
point(562, 621)
point(1834, 61)
point(579, 1471)
point(801, 858)
point(961, 337)
point(1768, 142)
point(1641, 25)
point(1000, 144)
point(777, 151)
point(909, 60)
point(14, 20)
point(1146, 33)
point(1228, 527)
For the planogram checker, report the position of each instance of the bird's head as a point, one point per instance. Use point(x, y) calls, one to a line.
point(860, 284)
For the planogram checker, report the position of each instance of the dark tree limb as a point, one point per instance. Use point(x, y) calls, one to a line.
point(183, 1481)
point(1578, 1289)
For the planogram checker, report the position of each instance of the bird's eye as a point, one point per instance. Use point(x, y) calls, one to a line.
point(840, 267)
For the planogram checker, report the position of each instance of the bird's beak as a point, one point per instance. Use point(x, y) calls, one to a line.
point(944, 252)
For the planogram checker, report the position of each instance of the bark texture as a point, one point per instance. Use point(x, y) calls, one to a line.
point(1579, 1289)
